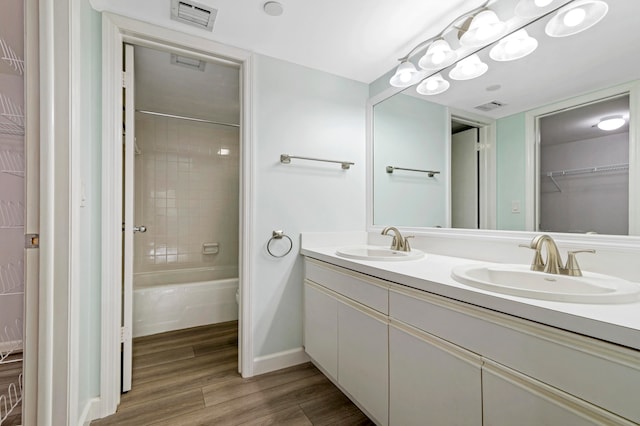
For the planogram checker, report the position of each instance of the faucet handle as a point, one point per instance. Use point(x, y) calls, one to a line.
point(536, 264)
point(572, 267)
point(407, 247)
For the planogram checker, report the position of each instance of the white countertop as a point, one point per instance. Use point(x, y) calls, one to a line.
point(616, 323)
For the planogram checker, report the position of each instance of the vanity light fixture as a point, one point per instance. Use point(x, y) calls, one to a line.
point(406, 75)
point(576, 17)
point(439, 55)
point(613, 122)
point(533, 8)
point(468, 68)
point(484, 28)
point(515, 46)
point(481, 27)
point(433, 85)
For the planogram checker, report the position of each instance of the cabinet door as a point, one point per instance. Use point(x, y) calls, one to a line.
point(432, 382)
point(363, 338)
point(321, 328)
point(511, 398)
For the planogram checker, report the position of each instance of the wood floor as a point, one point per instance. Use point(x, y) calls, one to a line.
point(189, 377)
point(9, 373)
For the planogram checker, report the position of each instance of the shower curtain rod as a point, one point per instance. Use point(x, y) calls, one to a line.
point(181, 117)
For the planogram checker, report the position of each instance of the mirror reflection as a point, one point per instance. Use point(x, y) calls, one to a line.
point(475, 134)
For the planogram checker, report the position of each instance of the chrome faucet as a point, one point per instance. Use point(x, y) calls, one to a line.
point(553, 262)
point(398, 243)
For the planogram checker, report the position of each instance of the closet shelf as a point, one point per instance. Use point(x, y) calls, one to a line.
point(10, 57)
point(12, 278)
point(12, 163)
point(11, 117)
point(11, 214)
point(583, 171)
point(10, 400)
point(11, 343)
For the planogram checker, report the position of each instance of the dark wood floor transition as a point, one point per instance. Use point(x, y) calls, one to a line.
point(189, 377)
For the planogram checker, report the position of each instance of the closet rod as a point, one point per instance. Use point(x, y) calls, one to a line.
point(182, 117)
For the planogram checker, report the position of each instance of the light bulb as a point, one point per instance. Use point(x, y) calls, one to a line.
point(542, 3)
point(438, 57)
point(405, 77)
point(574, 17)
point(432, 85)
point(512, 46)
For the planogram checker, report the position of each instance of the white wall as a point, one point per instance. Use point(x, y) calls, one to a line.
point(410, 133)
point(300, 111)
point(89, 261)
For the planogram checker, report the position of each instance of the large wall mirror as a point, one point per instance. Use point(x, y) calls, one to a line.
point(518, 148)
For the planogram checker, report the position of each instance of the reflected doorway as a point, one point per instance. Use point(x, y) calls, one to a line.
point(465, 175)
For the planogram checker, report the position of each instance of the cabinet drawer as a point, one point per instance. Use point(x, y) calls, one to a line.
point(511, 398)
point(369, 291)
point(603, 374)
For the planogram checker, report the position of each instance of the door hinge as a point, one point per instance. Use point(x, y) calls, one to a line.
point(31, 241)
point(125, 79)
point(125, 334)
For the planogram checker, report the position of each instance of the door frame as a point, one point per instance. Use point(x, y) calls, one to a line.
point(487, 164)
point(532, 144)
point(117, 30)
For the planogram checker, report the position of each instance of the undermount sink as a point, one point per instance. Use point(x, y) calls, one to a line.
point(378, 253)
point(520, 280)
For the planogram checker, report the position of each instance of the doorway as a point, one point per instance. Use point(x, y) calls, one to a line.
point(119, 30)
point(181, 195)
point(465, 175)
point(584, 155)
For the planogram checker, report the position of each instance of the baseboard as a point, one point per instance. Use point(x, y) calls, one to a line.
point(90, 412)
point(279, 360)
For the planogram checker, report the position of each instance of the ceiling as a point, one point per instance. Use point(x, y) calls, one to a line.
point(356, 39)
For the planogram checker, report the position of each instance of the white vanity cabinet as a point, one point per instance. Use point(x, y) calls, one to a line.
point(349, 340)
point(511, 398)
point(431, 381)
point(409, 357)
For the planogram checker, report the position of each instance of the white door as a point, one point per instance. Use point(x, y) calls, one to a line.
point(128, 226)
point(464, 179)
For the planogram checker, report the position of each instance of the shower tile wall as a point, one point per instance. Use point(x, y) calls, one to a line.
point(187, 194)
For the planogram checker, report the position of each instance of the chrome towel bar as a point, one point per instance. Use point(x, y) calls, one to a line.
point(286, 159)
point(430, 173)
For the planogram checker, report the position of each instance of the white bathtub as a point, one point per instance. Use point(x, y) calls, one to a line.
point(173, 300)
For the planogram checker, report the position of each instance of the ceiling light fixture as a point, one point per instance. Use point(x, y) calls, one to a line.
point(480, 27)
point(433, 85)
point(406, 75)
point(485, 27)
point(533, 8)
point(515, 46)
point(439, 55)
point(576, 17)
point(468, 68)
point(613, 122)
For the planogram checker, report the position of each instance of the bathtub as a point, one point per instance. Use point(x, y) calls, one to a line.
point(177, 299)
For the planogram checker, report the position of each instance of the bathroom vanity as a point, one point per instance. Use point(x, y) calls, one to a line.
point(411, 346)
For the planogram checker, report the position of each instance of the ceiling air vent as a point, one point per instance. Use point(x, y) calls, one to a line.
point(192, 13)
point(183, 61)
point(490, 106)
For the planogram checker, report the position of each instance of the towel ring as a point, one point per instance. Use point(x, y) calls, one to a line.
point(278, 235)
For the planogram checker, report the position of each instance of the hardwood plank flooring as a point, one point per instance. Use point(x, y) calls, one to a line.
point(189, 377)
